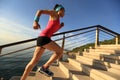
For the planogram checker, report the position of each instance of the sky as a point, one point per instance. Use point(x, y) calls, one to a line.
point(17, 16)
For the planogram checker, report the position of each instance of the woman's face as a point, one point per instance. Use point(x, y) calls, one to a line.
point(61, 12)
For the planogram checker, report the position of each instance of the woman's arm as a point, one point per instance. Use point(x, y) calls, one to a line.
point(52, 14)
point(48, 12)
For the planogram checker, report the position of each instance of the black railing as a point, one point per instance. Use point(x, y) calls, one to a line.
point(86, 30)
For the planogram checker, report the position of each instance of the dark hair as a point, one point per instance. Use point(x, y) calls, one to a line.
point(57, 5)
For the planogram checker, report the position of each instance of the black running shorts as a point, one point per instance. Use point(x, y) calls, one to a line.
point(43, 40)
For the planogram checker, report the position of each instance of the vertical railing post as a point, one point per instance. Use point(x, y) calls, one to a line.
point(117, 40)
point(97, 37)
point(63, 43)
point(0, 50)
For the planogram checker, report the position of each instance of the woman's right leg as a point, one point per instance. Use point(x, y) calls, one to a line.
point(58, 51)
point(37, 54)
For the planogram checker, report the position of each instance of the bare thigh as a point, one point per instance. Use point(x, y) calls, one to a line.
point(53, 47)
point(37, 53)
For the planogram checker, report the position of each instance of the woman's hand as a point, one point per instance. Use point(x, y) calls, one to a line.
point(62, 24)
point(36, 25)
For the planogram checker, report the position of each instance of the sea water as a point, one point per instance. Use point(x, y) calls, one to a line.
point(14, 64)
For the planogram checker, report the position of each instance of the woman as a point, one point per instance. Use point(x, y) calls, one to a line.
point(44, 40)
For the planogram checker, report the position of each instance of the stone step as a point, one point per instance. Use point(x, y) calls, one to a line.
point(113, 58)
point(102, 51)
point(18, 78)
point(97, 64)
point(115, 71)
point(109, 47)
point(100, 65)
point(30, 77)
point(96, 73)
point(97, 53)
point(58, 75)
point(42, 76)
point(113, 51)
point(81, 76)
point(38, 76)
point(91, 61)
point(72, 72)
point(92, 55)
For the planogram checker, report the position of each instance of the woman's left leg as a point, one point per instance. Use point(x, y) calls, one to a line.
point(37, 54)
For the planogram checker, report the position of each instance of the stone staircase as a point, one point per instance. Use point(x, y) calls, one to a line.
point(100, 63)
point(35, 75)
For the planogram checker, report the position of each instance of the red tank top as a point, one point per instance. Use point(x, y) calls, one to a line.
point(52, 27)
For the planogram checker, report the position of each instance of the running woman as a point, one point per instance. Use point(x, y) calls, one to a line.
point(44, 40)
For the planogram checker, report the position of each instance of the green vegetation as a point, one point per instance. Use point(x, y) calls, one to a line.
point(81, 48)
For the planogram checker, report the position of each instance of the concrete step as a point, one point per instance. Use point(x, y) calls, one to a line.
point(94, 64)
point(97, 63)
point(92, 55)
point(38, 76)
point(58, 75)
point(102, 66)
point(115, 71)
point(113, 58)
point(81, 76)
point(18, 78)
point(42, 76)
point(114, 51)
point(97, 53)
point(102, 51)
point(113, 68)
point(109, 47)
point(72, 72)
point(30, 77)
point(96, 73)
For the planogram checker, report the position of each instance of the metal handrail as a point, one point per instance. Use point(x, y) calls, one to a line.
point(20, 42)
point(63, 33)
point(108, 30)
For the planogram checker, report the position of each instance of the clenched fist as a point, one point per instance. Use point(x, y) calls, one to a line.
point(62, 24)
point(36, 25)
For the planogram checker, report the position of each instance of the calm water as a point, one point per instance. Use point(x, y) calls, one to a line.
point(14, 64)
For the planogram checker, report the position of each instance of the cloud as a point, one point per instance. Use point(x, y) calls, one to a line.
point(12, 32)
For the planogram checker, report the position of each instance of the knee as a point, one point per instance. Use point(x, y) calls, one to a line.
point(59, 52)
point(35, 61)
point(29, 66)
